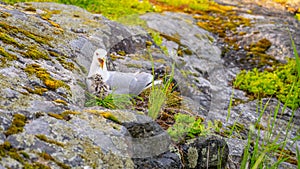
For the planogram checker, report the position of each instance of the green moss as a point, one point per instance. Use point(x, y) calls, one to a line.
point(45, 139)
point(261, 46)
point(37, 90)
point(64, 115)
point(68, 112)
point(48, 157)
point(43, 75)
point(57, 116)
point(4, 14)
point(61, 102)
point(35, 53)
point(134, 65)
point(277, 83)
point(15, 30)
point(7, 56)
point(30, 8)
point(17, 125)
point(35, 165)
point(9, 40)
point(7, 150)
point(63, 62)
point(222, 20)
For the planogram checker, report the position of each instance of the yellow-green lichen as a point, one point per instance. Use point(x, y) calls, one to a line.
point(62, 60)
point(9, 40)
point(48, 157)
point(17, 124)
point(7, 56)
point(64, 115)
point(37, 90)
point(15, 30)
point(35, 53)
point(57, 116)
point(6, 150)
point(43, 75)
point(45, 139)
point(61, 102)
point(4, 14)
point(131, 65)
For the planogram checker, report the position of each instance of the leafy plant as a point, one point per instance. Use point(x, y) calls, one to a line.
point(277, 83)
point(185, 126)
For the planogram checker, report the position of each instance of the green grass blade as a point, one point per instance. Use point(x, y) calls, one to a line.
point(296, 55)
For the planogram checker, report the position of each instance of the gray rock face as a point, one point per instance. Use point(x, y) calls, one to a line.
point(42, 76)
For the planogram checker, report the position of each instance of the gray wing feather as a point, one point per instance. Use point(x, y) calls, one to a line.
point(128, 83)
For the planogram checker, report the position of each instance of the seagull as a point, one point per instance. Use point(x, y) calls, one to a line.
point(118, 82)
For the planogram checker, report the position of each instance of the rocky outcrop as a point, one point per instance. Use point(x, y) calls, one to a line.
point(46, 50)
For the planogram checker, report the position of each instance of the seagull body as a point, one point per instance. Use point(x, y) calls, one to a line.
point(118, 82)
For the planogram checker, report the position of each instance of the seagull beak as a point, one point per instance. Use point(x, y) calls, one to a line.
point(101, 62)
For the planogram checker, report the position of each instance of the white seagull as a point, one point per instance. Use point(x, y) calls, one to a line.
point(118, 82)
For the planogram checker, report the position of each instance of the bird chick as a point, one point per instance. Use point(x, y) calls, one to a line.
point(99, 87)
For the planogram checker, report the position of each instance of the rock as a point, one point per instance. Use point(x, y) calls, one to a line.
point(208, 152)
point(44, 63)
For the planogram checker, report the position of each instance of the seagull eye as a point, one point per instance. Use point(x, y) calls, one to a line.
point(97, 54)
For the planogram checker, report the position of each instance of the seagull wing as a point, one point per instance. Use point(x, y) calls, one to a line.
point(128, 83)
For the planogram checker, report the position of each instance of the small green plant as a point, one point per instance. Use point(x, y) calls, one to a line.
point(159, 94)
point(185, 126)
point(111, 101)
point(277, 83)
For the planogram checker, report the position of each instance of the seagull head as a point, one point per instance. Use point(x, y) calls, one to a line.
point(100, 56)
point(98, 64)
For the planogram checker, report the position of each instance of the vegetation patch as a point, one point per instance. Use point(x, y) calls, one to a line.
point(105, 114)
point(45, 139)
point(64, 115)
point(43, 75)
point(37, 90)
point(6, 56)
point(6, 150)
point(59, 101)
point(48, 157)
point(281, 83)
point(9, 40)
point(17, 125)
point(185, 127)
point(12, 30)
point(34, 53)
